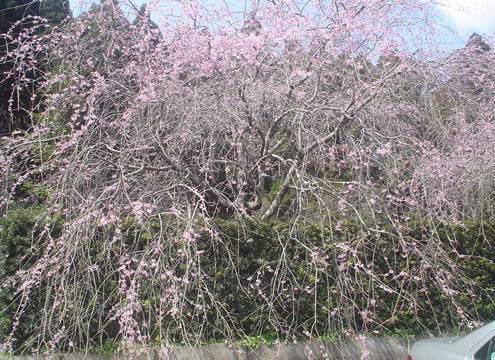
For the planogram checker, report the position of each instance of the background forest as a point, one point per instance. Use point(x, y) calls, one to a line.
point(297, 170)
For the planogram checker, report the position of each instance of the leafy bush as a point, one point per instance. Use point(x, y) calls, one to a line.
point(260, 276)
point(397, 296)
point(18, 231)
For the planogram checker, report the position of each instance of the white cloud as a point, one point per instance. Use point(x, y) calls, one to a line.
point(470, 15)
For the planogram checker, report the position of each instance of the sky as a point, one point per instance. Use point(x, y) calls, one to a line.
point(468, 16)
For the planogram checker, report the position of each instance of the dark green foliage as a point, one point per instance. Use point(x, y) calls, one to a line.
point(12, 11)
point(16, 16)
point(23, 243)
point(55, 11)
point(271, 252)
point(420, 307)
point(17, 252)
point(476, 259)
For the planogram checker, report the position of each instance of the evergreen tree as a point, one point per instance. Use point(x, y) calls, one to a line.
point(12, 11)
point(143, 16)
point(15, 17)
point(55, 11)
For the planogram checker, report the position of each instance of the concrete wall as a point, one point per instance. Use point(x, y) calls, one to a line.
point(386, 348)
point(374, 349)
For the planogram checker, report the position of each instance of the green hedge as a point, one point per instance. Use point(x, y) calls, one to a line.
point(425, 308)
point(250, 250)
point(18, 231)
